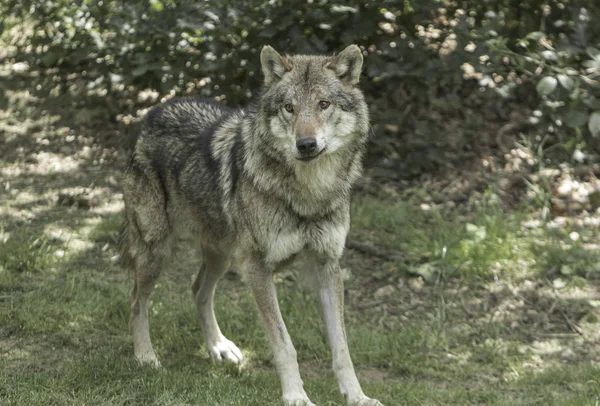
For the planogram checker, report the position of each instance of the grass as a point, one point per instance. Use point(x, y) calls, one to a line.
point(442, 241)
point(65, 341)
point(489, 242)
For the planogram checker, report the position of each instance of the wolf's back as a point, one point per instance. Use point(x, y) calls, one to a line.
point(175, 130)
point(186, 118)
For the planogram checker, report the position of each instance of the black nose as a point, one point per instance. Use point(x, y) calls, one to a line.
point(306, 145)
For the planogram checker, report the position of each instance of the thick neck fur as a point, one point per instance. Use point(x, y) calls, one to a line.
point(309, 189)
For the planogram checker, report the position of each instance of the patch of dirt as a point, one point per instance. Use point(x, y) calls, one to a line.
point(31, 354)
point(373, 375)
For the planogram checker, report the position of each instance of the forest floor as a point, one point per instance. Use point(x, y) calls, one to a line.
point(475, 286)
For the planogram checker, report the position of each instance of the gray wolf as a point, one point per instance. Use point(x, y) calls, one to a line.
point(257, 188)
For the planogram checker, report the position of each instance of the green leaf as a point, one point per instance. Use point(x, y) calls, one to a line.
point(594, 123)
point(536, 35)
point(546, 86)
point(565, 270)
point(156, 5)
point(51, 58)
point(594, 53)
point(549, 55)
point(592, 102)
point(576, 118)
point(593, 64)
point(565, 81)
point(188, 23)
point(140, 70)
point(428, 271)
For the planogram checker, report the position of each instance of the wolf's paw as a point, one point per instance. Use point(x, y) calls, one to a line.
point(364, 401)
point(148, 358)
point(223, 349)
point(297, 401)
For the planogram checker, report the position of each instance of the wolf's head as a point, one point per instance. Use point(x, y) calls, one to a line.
point(311, 104)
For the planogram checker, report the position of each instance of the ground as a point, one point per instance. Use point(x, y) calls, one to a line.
point(476, 287)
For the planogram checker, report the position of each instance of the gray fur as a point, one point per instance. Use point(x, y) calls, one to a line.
point(234, 184)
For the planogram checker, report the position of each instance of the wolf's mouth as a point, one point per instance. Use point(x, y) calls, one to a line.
point(310, 158)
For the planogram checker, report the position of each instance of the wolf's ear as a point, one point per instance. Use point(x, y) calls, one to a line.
point(347, 64)
point(273, 65)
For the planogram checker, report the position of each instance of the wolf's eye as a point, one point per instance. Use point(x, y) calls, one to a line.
point(323, 104)
point(289, 108)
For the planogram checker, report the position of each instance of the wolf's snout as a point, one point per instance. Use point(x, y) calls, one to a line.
point(306, 145)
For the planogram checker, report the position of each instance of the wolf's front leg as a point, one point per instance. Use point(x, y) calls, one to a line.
point(331, 295)
point(261, 282)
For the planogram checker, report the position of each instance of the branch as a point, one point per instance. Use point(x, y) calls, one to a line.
point(373, 250)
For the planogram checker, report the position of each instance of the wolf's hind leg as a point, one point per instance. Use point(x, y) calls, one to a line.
point(218, 346)
point(145, 246)
point(145, 259)
point(145, 278)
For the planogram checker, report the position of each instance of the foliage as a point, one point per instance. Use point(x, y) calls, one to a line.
point(423, 57)
point(558, 52)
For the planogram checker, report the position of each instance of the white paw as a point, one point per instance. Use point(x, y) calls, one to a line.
point(364, 401)
point(297, 401)
point(223, 349)
point(148, 358)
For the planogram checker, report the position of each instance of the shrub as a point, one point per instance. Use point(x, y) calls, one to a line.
point(420, 55)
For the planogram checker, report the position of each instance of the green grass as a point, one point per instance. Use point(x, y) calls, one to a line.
point(489, 242)
point(64, 338)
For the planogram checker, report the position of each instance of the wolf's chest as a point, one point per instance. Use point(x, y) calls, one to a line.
point(324, 238)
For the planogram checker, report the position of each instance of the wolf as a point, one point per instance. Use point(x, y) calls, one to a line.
point(256, 188)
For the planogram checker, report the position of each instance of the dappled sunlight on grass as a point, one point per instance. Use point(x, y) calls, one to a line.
point(45, 163)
